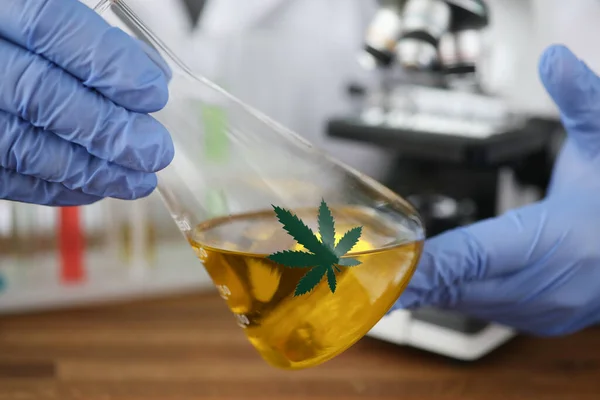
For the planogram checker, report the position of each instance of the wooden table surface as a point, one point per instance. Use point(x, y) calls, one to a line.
point(189, 347)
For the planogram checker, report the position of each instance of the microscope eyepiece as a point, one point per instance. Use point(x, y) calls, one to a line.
point(427, 36)
point(425, 21)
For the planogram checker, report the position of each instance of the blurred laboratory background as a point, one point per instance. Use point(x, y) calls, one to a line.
point(438, 99)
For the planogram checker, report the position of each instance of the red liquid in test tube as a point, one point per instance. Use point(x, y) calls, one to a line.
point(71, 245)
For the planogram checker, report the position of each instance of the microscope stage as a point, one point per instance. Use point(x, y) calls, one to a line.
point(477, 145)
point(444, 333)
point(432, 156)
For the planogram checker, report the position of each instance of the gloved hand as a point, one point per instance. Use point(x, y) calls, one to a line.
point(536, 268)
point(75, 94)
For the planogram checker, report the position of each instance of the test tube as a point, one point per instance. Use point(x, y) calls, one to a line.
point(138, 233)
point(5, 234)
point(71, 245)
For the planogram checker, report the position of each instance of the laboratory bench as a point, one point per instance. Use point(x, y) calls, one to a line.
point(189, 347)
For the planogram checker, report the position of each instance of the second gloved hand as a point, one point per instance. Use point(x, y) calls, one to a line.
point(536, 268)
point(75, 94)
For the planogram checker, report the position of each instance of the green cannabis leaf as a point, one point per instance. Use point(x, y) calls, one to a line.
point(325, 256)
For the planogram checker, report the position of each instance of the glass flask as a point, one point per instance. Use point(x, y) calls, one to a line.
point(308, 253)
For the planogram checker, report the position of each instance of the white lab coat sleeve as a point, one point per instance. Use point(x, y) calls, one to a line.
point(292, 60)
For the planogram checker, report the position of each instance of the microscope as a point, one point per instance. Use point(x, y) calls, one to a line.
point(427, 35)
point(462, 154)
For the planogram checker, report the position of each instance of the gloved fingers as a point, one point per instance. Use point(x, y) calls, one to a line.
point(79, 41)
point(41, 154)
point(482, 251)
point(49, 98)
point(506, 315)
point(546, 275)
point(27, 189)
point(493, 300)
point(589, 318)
point(575, 89)
point(540, 321)
point(543, 297)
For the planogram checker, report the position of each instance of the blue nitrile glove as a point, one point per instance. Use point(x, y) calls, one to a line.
point(75, 94)
point(537, 268)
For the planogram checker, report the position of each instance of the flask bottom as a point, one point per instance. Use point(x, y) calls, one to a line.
point(297, 332)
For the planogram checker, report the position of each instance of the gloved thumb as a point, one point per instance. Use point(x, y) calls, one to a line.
point(485, 250)
point(575, 89)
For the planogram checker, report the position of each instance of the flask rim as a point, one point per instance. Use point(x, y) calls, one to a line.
point(102, 5)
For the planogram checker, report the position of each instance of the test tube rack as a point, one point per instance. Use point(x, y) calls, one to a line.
point(110, 251)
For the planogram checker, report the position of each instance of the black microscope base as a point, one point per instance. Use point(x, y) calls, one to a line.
point(458, 167)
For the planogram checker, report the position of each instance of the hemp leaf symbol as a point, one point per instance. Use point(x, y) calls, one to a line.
point(325, 255)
